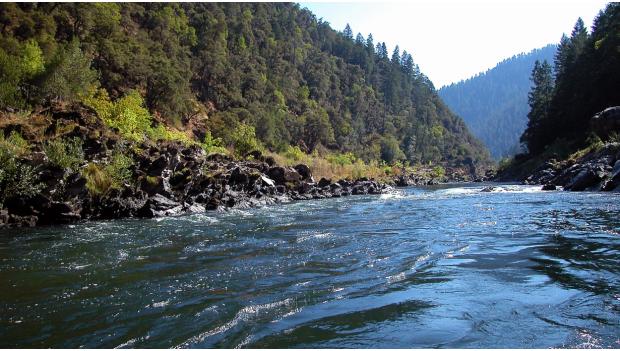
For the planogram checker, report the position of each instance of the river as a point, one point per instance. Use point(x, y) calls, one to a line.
point(447, 266)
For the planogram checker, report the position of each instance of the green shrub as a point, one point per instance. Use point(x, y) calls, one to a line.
point(244, 139)
point(16, 179)
point(127, 114)
point(438, 172)
point(341, 159)
point(119, 169)
point(68, 75)
point(162, 133)
point(65, 153)
point(213, 145)
point(294, 153)
point(15, 143)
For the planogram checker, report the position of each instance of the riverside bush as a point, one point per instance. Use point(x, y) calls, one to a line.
point(213, 145)
point(127, 114)
point(65, 153)
point(17, 179)
point(244, 139)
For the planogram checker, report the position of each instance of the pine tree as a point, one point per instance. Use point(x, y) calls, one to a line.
point(396, 56)
point(348, 33)
point(369, 42)
point(539, 98)
point(561, 56)
point(359, 39)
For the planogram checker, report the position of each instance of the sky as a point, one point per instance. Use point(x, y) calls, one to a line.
point(454, 40)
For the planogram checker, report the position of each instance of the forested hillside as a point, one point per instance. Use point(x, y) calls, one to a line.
point(584, 80)
point(213, 69)
point(494, 103)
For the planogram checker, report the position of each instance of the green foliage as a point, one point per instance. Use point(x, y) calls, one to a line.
point(17, 179)
point(127, 114)
point(119, 168)
point(342, 159)
point(390, 150)
point(294, 153)
point(17, 72)
point(99, 180)
point(438, 172)
point(273, 67)
point(68, 75)
point(213, 145)
point(14, 144)
point(244, 140)
point(587, 69)
point(65, 153)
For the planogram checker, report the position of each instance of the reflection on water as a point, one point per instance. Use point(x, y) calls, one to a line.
point(446, 266)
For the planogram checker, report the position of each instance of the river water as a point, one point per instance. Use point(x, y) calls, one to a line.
point(447, 266)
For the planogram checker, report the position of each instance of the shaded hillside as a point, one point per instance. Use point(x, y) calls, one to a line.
point(218, 66)
point(494, 103)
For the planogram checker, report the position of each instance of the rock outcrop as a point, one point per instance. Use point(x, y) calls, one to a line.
point(167, 179)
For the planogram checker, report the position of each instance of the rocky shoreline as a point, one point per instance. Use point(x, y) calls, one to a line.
point(174, 180)
point(597, 170)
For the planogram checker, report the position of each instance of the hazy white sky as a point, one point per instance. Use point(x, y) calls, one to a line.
point(453, 40)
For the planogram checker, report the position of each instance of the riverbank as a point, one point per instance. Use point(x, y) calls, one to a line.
point(594, 168)
point(64, 165)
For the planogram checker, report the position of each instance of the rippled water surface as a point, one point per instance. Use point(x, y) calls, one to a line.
point(444, 267)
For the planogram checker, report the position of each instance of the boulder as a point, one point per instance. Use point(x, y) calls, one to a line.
point(606, 121)
point(157, 166)
point(238, 176)
point(549, 186)
point(324, 182)
point(586, 178)
point(304, 172)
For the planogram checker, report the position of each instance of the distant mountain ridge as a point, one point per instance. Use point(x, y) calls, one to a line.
point(494, 104)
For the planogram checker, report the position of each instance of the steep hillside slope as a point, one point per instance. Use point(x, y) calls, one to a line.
point(217, 66)
point(494, 103)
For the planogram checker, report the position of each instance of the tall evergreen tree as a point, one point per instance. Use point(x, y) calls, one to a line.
point(396, 56)
point(539, 99)
point(347, 32)
point(359, 39)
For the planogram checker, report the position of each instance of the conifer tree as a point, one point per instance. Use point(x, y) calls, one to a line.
point(359, 39)
point(539, 99)
point(396, 56)
point(348, 33)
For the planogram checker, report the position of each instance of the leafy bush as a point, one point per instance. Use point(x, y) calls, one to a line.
point(127, 114)
point(16, 179)
point(244, 139)
point(15, 144)
point(294, 153)
point(438, 172)
point(119, 168)
point(213, 145)
point(162, 133)
point(341, 159)
point(130, 116)
point(65, 153)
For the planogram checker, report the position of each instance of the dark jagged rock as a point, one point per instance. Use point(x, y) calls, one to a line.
point(548, 187)
point(304, 172)
point(324, 182)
